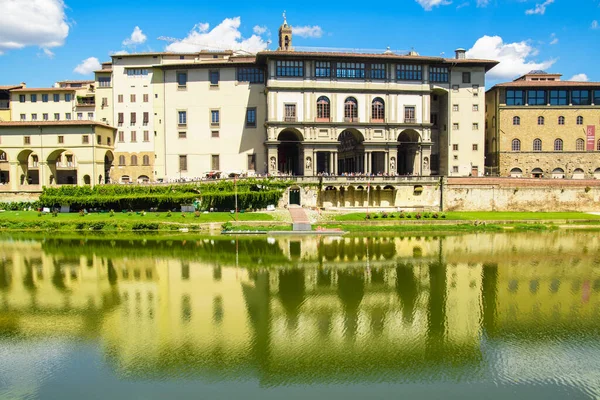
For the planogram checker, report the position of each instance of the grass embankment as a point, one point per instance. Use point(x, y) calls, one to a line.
point(130, 221)
point(477, 216)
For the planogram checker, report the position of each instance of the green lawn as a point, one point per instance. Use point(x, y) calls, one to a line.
point(483, 216)
point(25, 216)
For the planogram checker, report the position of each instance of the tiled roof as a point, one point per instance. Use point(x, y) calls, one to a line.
point(103, 70)
point(547, 84)
point(67, 82)
point(10, 87)
point(45, 90)
point(55, 123)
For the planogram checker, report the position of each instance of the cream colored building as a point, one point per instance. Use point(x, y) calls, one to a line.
point(43, 104)
point(37, 153)
point(539, 126)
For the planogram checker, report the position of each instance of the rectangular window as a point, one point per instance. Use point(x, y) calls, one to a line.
point(559, 98)
point(137, 71)
point(146, 136)
point(132, 98)
point(146, 118)
point(182, 163)
point(322, 69)
point(104, 102)
point(67, 97)
point(90, 116)
point(145, 98)
point(475, 126)
point(68, 116)
point(85, 139)
point(215, 162)
point(120, 119)
point(56, 97)
point(455, 169)
point(536, 97)
point(181, 134)
point(409, 72)
point(581, 97)
point(290, 113)
point(121, 136)
point(44, 98)
point(79, 116)
point(23, 117)
point(56, 116)
point(475, 90)
point(377, 71)
point(409, 115)
point(132, 119)
point(45, 116)
point(104, 81)
point(214, 77)
point(455, 107)
point(34, 117)
point(466, 77)
point(515, 97)
point(182, 117)
point(215, 118)
point(21, 98)
point(26, 139)
point(455, 147)
point(350, 70)
point(61, 139)
point(289, 68)
point(133, 136)
point(250, 75)
point(251, 118)
point(438, 74)
point(455, 88)
point(182, 79)
point(34, 98)
point(251, 162)
point(597, 97)
point(455, 126)
point(475, 107)
point(120, 98)
point(214, 134)
point(475, 147)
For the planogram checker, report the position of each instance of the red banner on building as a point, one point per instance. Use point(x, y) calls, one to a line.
point(591, 137)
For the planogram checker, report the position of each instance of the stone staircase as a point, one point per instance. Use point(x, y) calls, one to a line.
point(300, 221)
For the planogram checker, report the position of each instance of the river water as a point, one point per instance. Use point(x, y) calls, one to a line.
point(472, 316)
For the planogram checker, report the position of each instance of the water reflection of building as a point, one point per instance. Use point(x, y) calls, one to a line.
point(313, 317)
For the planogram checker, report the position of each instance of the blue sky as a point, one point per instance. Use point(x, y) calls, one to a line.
point(43, 41)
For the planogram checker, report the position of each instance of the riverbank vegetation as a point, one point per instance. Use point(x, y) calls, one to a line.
point(468, 216)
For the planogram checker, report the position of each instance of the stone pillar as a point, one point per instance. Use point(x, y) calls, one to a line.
point(366, 162)
point(14, 175)
point(330, 169)
point(335, 163)
point(272, 159)
point(426, 159)
point(386, 166)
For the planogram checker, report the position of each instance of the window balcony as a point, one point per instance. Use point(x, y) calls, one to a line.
point(377, 120)
point(290, 119)
point(351, 119)
point(410, 120)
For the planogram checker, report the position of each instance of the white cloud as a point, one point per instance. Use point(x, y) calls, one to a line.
point(137, 37)
point(539, 8)
point(554, 39)
point(429, 4)
point(118, 53)
point(32, 23)
point(465, 4)
point(48, 53)
point(88, 66)
point(594, 24)
point(225, 36)
point(579, 78)
point(314, 32)
point(513, 57)
point(259, 30)
point(483, 3)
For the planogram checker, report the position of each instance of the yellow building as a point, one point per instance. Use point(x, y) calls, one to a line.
point(5, 113)
point(36, 154)
point(539, 126)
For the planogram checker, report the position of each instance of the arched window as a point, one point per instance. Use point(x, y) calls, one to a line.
point(146, 160)
point(516, 120)
point(323, 109)
point(561, 120)
point(558, 145)
point(133, 160)
point(540, 120)
point(537, 145)
point(377, 110)
point(579, 145)
point(350, 109)
point(580, 120)
point(121, 160)
point(516, 145)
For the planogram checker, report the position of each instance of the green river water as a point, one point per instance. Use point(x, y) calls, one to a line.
point(476, 316)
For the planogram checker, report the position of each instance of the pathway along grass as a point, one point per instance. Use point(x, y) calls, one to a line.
point(474, 216)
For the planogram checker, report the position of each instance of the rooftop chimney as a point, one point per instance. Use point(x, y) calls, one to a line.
point(460, 53)
point(23, 84)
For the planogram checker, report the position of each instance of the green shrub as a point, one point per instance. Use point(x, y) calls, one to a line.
point(169, 214)
point(145, 226)
point(384, 215)
point(418, 216)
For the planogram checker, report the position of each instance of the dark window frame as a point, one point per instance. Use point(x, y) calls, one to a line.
point(289, 68)
point(323, 69)
point(250, 74)
point(515, 97)
point(409, 72)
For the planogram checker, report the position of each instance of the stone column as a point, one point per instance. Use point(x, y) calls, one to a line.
point(365, 161)
point(14, 176)
point(335, 163)
point(386, 166)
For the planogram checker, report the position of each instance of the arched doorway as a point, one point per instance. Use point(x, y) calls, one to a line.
point(350, 151)
point(408, 147)
point(516, 173)
point(63, 167)
point(4, 168)
point(537, 173)
point(294, 198)
point(289, 152)
point(29, 164)
point(109, 158)
point(143, 179)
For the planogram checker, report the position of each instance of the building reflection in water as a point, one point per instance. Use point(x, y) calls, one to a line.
point(303, 310)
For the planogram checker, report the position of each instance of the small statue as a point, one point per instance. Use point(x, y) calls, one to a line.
point(273, 163)
point(393, 164)
point(426, 163)
point(308, 163)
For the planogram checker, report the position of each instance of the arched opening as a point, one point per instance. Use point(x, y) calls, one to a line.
point(578, 174)
point(597, 173)
point(87, 180)
point(377, 110)
point(4, 168)
point(125, 179)
point(143, 179)
point(63, 166)
point(29, 164)
point(408, 148)
point(350, 110)
point(350, 152)
point(294, 196)
point(516, 173)
point(323, 109)
point(289, 152)
point(109, 159)
point(558, 173)
point(537, 173)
